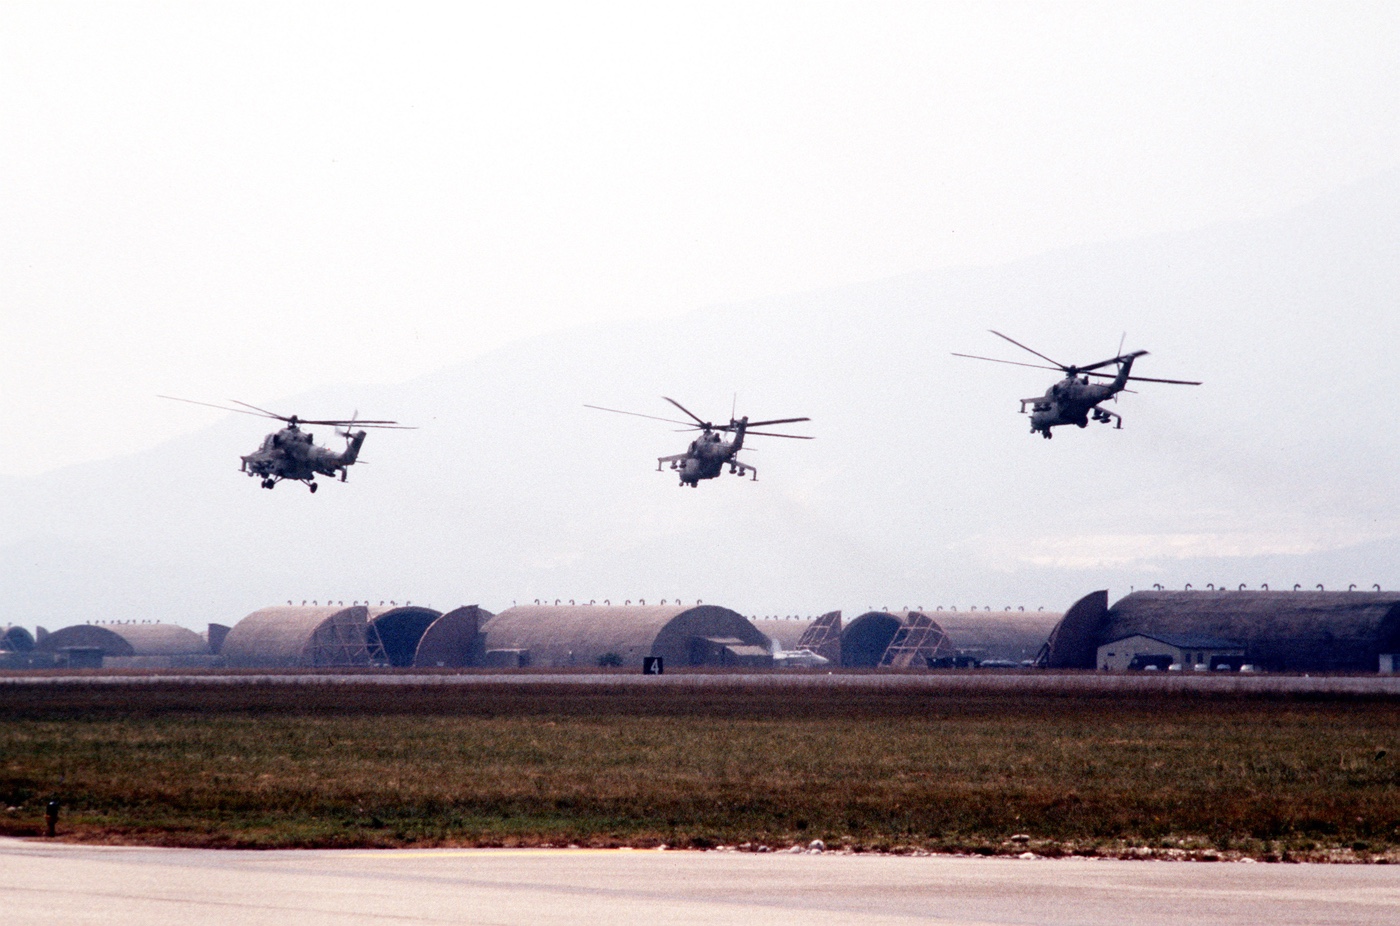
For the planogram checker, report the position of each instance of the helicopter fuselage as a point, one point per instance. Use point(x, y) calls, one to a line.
point(1075, 400)
point(291, 453)
point(707, 456)
point(709, 453)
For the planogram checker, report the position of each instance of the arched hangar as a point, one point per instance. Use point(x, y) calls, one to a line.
point(998, 636)
point(399, 629)
point(564, 636)
point(15, 639)
point(1315, 631)
point(821, 635)
point(453, 640)
point(134, 645)
point(299, 637)
point(893, 640)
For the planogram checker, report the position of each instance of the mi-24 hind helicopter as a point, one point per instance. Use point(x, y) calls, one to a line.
point(1074, 399)
point(292, 454)
point(709, 453)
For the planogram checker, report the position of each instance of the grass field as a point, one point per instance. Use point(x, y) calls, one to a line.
point(1200, 777)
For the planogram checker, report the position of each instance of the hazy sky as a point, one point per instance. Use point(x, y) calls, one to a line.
point(250, 200)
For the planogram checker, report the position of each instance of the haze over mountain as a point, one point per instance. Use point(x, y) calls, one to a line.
point(923, 488)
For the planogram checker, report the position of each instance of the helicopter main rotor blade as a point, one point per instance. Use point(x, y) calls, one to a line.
point(1150, 379)
point(619, 411)
point(1058, 365)
point(693, 417)
point(337, 422)
point(1103, 363)
point(770, 434)
point(263, 410)
point(357, 422)
point(1096, 366)
point(257, 413)
point(1014, 363)
point(759, 424)
point(264, 413)
point(1174, 382)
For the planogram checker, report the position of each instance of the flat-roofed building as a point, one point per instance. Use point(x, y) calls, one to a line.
point(1165, 650)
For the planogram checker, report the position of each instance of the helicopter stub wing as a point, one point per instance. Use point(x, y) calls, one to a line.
point(673, 460)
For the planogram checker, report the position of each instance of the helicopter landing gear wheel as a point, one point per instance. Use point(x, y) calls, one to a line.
point(268, 483)
point(313, 487)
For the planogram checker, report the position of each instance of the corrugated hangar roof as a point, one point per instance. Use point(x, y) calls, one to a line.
point(579, 635)
point(299, 637)
point(1011, 635)
point(1281, 631)
point(1181, 641)
point(128, 639)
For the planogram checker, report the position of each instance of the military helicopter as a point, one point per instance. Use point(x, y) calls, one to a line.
point(291, 453)
point(707, 455)
point(1074, 399)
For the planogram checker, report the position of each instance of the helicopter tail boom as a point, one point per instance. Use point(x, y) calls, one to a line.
point(739, 427)
point(352, 447)
point(1125, 367)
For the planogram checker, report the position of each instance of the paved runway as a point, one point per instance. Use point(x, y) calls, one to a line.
point(49, 883)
